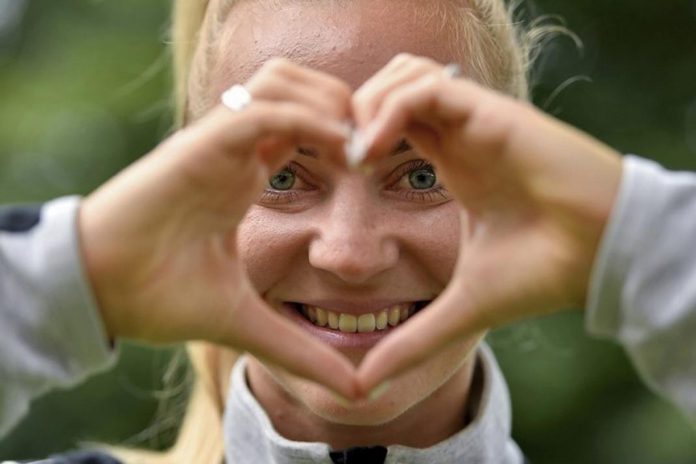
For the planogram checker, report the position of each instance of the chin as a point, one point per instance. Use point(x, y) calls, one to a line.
point(432, 388)
point(404, 393)
point(362, 413)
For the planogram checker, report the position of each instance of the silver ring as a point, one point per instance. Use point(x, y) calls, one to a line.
point(453, 71)
point(236, 98)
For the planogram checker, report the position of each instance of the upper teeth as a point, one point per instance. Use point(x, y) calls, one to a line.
point(364, 323)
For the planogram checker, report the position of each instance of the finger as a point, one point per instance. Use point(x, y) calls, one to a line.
point(237, 134)
point(271, 146)
point(434, 100)
point(282, 80)
point(402, 69)
point(280, 89)
point(433, 329)
point(326, 85)
point(269, 336)
point(310, 76)
point(424, 139)
point(302, 127)
point(217, 156)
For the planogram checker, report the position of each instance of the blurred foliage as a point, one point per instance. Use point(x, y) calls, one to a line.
point(85, 90)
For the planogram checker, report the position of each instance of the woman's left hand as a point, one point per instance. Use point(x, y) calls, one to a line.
point(535, 195)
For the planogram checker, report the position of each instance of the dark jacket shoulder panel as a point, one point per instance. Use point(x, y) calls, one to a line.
point(77, 457)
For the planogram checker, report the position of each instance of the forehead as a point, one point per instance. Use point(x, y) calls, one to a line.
point(351, 39)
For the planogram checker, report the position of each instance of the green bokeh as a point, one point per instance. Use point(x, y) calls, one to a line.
point(85, 87)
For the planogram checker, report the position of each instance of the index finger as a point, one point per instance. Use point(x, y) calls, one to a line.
point(402, 69)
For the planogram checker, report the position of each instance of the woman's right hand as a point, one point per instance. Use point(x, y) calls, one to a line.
point(159, 240)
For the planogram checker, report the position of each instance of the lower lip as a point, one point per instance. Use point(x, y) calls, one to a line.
point(337, 339)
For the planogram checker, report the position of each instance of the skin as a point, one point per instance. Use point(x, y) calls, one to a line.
point(349, 236)
point(538, 194)
point(175, 249)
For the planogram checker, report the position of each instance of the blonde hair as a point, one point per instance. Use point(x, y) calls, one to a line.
point(499, 55)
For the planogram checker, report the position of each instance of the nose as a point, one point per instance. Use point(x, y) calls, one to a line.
point(354, 240)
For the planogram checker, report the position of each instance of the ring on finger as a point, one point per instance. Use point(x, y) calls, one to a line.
point(236, 98)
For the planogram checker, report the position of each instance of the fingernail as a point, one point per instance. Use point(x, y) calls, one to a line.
point(346, 128)
point(378, 391)
point(355, 149)
point(369, 135)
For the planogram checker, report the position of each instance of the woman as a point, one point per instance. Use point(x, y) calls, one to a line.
point(349, 251)
point(348, 256)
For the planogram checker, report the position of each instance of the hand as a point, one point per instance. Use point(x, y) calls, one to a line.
point(535, 195)
point(159, 240)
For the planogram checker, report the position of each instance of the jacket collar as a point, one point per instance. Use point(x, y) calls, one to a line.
point(250, 436)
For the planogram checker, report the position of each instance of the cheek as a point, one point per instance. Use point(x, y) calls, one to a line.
point(269, 245)
point(434, 240)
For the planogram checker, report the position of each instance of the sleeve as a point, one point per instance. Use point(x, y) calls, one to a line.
point(77, 457)
point(51, 334)
point(643, 286)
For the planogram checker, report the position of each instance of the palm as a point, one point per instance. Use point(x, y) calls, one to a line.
point(189, 294)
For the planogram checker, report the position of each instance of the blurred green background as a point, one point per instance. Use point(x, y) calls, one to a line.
point(84, 91)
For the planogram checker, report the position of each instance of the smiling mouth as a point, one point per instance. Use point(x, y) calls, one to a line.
point(383, 319)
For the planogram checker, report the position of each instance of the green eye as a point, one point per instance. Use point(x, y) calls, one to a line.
point(422, 179)
point(283, 180)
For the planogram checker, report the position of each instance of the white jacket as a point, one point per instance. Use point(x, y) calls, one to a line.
point(642, 293)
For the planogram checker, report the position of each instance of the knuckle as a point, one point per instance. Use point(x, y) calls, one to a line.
point(366, 98)
point(422, 64)
point(290, 115)
point(337, 100)
point(428, 63)
point(263, 113)
point(264, 85)
point(276, 65)
point(410, 61)
point(402, 58)
point(360, 98)
point(392, 102)
point(342, 91)
point(253, 116)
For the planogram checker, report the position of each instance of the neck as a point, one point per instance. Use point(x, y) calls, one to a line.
point(444, 412)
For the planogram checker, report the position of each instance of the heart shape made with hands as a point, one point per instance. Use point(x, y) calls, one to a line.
point(530, 227)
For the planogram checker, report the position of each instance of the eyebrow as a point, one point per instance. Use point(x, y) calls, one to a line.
point(402, 147)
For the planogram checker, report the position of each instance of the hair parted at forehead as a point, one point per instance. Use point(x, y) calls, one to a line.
point(498, 51)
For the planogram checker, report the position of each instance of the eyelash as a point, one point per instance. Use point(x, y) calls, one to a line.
point(438, 192)
point(278, 197)
point(270, 195)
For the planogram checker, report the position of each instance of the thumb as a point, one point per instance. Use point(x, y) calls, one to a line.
point(269, 336)
point(438, 325)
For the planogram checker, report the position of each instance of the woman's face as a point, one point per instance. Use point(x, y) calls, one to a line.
point(339, 246)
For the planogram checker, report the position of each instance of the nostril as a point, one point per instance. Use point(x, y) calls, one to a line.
point(354, 254)
point(352, 268)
